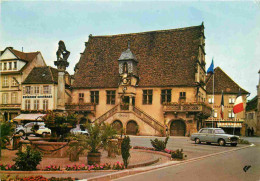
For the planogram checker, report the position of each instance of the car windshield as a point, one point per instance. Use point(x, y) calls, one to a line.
point(219, 131)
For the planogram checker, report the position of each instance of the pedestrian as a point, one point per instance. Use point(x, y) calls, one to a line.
point(252, 131)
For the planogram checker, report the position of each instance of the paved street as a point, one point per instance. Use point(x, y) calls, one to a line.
point(191, 149)
point(227, 166)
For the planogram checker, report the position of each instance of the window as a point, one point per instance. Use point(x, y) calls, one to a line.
point(94, 97)
point(5, 98)
point(14, 81)
point(183, 95)
point(81, 97)
point(27, 104)
point(36, 104)
point(10, 65)
point(5, 66)
point(27, 89)
point(211, 100)
point(45, 105)
point(46, 89)
point(5, 81)
point(166, 95)
point(111, 97)
point(231, 114)
point(204, 131)
point(15, 65)
point(36, 90)
point(250, 115)
point(0, 66)
point(147, 96)
point(231, 100)
point(14, 98)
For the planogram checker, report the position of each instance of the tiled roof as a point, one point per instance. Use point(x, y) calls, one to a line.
point(222, 82)
point(166, 58)
point(42, 75)
point(25, 56)
point(252, 104)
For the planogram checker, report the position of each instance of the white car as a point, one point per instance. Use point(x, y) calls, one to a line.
point(79, 130)
point(27, 129)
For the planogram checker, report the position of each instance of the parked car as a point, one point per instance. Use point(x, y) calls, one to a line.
point(79, 130)
point(214, 135)
point(27, 129)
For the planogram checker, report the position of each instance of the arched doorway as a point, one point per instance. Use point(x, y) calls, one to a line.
point(117, 125)
point(177, 128)
point(131, 128)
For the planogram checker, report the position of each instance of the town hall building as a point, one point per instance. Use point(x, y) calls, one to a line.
point(148, 83)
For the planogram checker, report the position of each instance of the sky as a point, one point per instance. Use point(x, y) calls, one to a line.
point(232, 28)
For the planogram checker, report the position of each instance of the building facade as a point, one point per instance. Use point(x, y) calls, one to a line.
point(40, 90)
point(14, 68)
point(251, 116)
point(145, 83)
point(231, 123)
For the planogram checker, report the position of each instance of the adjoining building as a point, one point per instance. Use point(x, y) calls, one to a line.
point(14, 68)
point(251, 116)
point(144, 83)
point(40, 90)
point(223, 83)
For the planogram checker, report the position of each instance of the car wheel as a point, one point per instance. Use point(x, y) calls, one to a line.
point(197, 141)
point(221, 142)
point(21, 133)
point(233, 144)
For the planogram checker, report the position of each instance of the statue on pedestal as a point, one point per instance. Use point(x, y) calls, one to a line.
point(62, 51)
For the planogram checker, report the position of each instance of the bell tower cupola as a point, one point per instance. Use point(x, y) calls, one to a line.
point(128, 67)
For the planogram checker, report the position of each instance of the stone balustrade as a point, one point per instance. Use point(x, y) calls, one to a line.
point(189, 107)
point(80, 107)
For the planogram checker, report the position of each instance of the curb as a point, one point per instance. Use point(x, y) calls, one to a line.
point(147, 169)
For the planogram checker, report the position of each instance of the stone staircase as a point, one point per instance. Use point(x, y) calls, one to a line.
point(136, 111)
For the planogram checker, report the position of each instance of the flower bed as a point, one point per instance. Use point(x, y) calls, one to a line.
point(7, 167)
point(153, 149)
point(38, 178)
point(106, 166)
point(52, 168)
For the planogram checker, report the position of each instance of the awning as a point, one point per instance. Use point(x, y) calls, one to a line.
point(229, 125)
point(29, 117)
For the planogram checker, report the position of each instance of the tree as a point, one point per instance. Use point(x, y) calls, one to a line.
point(125, 150)
point(6, 130)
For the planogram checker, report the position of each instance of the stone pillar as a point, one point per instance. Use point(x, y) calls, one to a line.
point(61, 91)
point(258, 108)
point(61, 65)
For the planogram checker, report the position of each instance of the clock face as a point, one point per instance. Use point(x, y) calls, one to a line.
point(124, 81)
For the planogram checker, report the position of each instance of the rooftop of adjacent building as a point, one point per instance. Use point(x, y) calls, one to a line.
point(252, 104)
point(42, 75)
point(27, 56)
point(222, 82)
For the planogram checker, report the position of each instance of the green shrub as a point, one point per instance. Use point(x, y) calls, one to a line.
point(125, 150)
point(28, 160)
point(178, 154)
point(242, 141)
point(159, 145)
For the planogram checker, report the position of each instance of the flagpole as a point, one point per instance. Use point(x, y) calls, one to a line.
point(234, 125)
point(213, 102)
